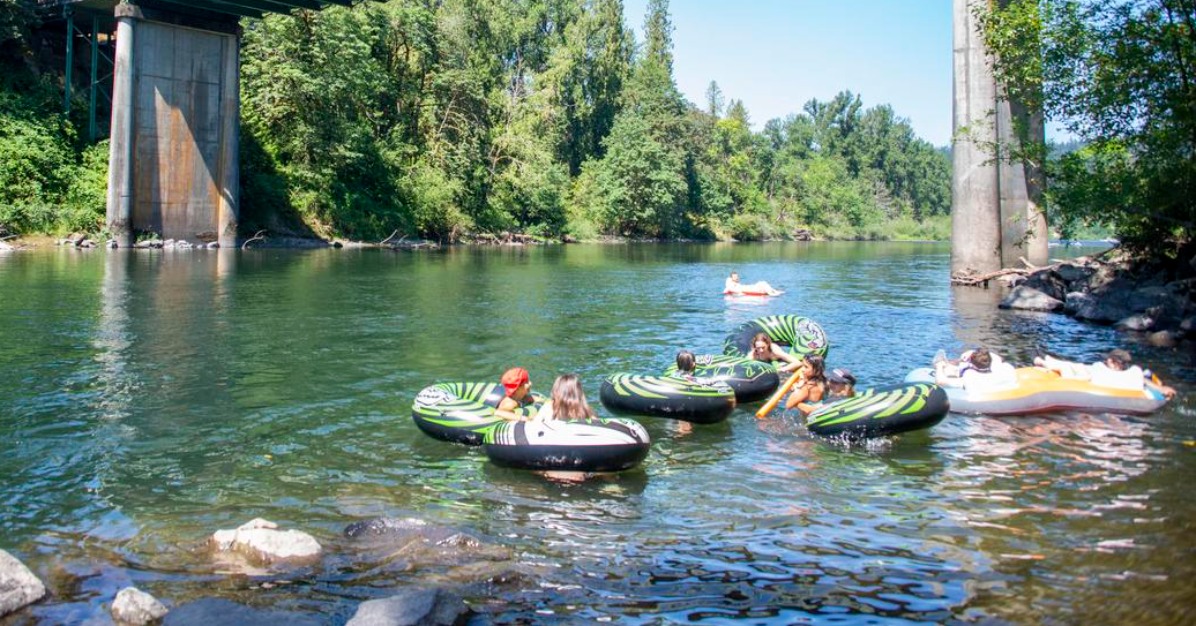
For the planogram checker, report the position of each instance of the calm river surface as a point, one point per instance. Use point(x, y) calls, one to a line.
point(148, 399)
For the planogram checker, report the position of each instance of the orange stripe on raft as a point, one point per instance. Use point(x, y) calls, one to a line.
point(1035, 380)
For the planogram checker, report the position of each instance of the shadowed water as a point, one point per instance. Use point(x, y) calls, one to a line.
point(149, 399)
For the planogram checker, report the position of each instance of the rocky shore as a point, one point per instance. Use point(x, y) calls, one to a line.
point(1151, 299)
point(454, 564)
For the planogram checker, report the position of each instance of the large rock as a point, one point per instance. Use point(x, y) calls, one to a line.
point(134, 606)
point(1103, 308)
point(18, 586)
point(1163, 339)
point(412, 607)
point(219, 612)
point(1074, 275)
point(1029, 299)
point(261, 542)
point(1047, 282)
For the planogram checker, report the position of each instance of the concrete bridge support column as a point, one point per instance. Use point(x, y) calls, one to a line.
point(995, 201)
point(173, 165)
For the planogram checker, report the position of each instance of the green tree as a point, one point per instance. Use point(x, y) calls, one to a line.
point(1120, 76)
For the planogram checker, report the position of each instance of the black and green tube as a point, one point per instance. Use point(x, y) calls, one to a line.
point(751, 380)
point(801, 335)
point(667, 396)
point(463, 412)
point(880, 412)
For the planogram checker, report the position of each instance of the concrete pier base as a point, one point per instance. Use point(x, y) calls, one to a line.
point(173, 166)
point(995, 202)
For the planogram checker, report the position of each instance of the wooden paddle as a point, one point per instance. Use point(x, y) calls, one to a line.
point(776, 397)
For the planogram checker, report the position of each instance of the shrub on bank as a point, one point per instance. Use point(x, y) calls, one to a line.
point(49, 181)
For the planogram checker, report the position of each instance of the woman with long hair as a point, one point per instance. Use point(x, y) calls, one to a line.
point(763, 349)
point(811, 387)
point(568, 401)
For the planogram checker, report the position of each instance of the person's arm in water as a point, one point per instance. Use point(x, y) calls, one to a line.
point(1167, 391)
point(791, 362)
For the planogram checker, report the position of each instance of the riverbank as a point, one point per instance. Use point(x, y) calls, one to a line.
point(1151, 299)
point(261, 240)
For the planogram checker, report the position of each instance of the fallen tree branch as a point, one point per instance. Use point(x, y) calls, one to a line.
point(9, 237)
point(256, 237)
point(972, 281)
point(392, 235)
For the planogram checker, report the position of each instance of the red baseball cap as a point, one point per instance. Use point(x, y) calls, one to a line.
point(513, 378)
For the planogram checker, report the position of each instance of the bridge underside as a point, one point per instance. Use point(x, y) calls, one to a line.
point(173, 166)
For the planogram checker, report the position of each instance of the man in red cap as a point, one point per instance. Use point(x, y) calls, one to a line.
point(517, 385)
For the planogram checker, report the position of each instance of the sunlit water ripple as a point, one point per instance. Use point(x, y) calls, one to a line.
point(149, 399)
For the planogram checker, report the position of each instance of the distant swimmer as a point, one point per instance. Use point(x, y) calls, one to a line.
point(733, 287)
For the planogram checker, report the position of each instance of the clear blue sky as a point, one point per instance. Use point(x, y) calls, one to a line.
point(775, 55)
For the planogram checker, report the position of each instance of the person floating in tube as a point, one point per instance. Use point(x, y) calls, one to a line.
point(763, 349)
point(733, 287)
point(518, 387)
point(568, 401)
point(811, 387)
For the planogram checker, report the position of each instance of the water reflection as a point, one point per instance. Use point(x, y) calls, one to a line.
point(157, 397)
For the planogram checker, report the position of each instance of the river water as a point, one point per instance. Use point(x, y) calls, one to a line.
point(148, 399)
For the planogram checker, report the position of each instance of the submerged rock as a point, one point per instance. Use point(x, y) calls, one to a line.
point(261, 542)
point(219, 612)
point(1029, 299)
point(1137, 321)
point(19, 587)
point(419, 542)
point(1163, 339)
point(134, 606)
point(412, 607)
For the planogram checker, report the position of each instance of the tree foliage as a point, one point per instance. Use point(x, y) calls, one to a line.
point(441, 119)
point(1119, 75)
point(50, 181)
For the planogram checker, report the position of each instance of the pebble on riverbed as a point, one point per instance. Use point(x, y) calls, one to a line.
point(262, 543)
point(18, 586)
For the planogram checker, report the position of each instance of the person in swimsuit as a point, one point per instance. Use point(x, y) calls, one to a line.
point(840, 385)
point(763, 349)
point(810, 388)
point(518, 387)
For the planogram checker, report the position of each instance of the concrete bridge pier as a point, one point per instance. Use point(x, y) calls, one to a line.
point(996, 202)
point(173, 165)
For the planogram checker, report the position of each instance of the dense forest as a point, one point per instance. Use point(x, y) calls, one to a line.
point(455, 118)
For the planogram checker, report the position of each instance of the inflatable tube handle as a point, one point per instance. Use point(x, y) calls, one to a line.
point(776, 397)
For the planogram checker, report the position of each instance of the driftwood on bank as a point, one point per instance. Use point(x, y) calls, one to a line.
point(256, 237)
point(505, 238)
point(970, 279)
